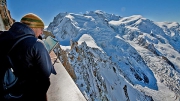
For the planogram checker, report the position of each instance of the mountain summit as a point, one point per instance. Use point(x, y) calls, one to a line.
point(119, 58)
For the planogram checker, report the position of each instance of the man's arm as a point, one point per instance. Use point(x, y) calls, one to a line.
point(43, 61)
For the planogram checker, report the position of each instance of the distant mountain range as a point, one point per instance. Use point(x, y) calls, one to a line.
point(119, 58)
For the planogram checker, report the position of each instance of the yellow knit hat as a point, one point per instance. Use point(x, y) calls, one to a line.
point(32, 21)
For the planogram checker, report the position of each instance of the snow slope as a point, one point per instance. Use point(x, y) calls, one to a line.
point(121, 58)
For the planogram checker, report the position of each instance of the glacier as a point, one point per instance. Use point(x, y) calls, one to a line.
point(119, 58)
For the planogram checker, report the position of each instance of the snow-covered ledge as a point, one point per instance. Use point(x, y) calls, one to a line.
point(62, 86)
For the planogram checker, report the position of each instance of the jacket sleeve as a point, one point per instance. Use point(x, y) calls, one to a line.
point(42, 59)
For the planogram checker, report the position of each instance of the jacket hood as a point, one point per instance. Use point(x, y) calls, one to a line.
point(17, 31)
point(20, 29)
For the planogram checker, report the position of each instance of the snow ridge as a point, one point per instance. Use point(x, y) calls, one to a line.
point(121, 58)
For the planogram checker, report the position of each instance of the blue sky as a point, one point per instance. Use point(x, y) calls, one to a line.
point(156, 10)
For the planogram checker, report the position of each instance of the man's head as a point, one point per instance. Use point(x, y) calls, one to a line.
point(34, 22)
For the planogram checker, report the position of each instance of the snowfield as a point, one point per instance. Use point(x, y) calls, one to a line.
point(121, 58)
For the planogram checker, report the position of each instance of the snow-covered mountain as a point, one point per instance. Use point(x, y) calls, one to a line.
point(119, 58)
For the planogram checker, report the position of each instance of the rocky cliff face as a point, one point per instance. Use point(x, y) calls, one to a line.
point(120, 58)
point(7, 21)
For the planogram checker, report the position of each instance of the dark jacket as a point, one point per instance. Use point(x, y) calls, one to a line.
point(30, 58)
